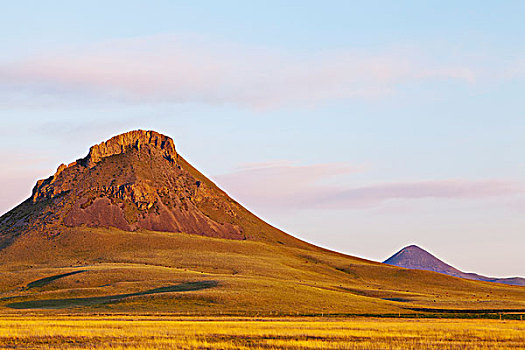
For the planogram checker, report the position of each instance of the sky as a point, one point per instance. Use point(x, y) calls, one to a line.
point(359, 126)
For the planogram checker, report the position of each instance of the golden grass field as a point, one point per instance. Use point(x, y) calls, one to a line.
point(151, 332)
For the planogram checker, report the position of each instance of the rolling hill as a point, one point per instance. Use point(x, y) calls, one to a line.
point(133, 227)
point(414, 257)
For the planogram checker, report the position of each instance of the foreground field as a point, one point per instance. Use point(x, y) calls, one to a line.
point(68, 332)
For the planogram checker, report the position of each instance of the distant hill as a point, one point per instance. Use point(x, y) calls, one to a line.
point(414, 257)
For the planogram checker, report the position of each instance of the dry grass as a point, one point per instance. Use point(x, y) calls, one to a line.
point(253, 278)
point(149, 332)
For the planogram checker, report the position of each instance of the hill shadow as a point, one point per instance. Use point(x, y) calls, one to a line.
point(76, 302)
point(46, 280)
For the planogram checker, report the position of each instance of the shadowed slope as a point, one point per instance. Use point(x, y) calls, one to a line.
point(46, 280)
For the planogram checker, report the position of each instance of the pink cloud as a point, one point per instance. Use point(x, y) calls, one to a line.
point(177, 70)
point(281, 179)
point(289, 186)
point(441, 189)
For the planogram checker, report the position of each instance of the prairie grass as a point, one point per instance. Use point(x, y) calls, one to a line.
point(150, 332)
point(252, 277)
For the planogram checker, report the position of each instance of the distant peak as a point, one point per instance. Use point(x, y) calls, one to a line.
point(414, 257)
point(413, 247)
point(132, 139)
point(413, 250)
point(410, 252)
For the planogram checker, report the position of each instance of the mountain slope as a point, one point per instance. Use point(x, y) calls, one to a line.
point(133, 227)
point(414, 257)
point(135, 181)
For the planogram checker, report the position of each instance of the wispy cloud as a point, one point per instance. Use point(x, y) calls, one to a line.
point(290, 186)
point(282, 179)
point(178, 69)
point(445, 189)
point(515, 69)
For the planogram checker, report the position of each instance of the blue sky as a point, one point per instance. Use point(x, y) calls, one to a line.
point(359, 127)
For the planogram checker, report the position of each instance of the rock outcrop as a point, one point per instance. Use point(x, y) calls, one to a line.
point(116, 145)
point(133, 139)
point(135, 181)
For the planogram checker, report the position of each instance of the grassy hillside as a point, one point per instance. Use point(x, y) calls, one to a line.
point(149, 271)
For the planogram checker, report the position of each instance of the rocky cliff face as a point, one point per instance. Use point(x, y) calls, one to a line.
point(133, 139)
point(134, 181)
point(128, 142)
